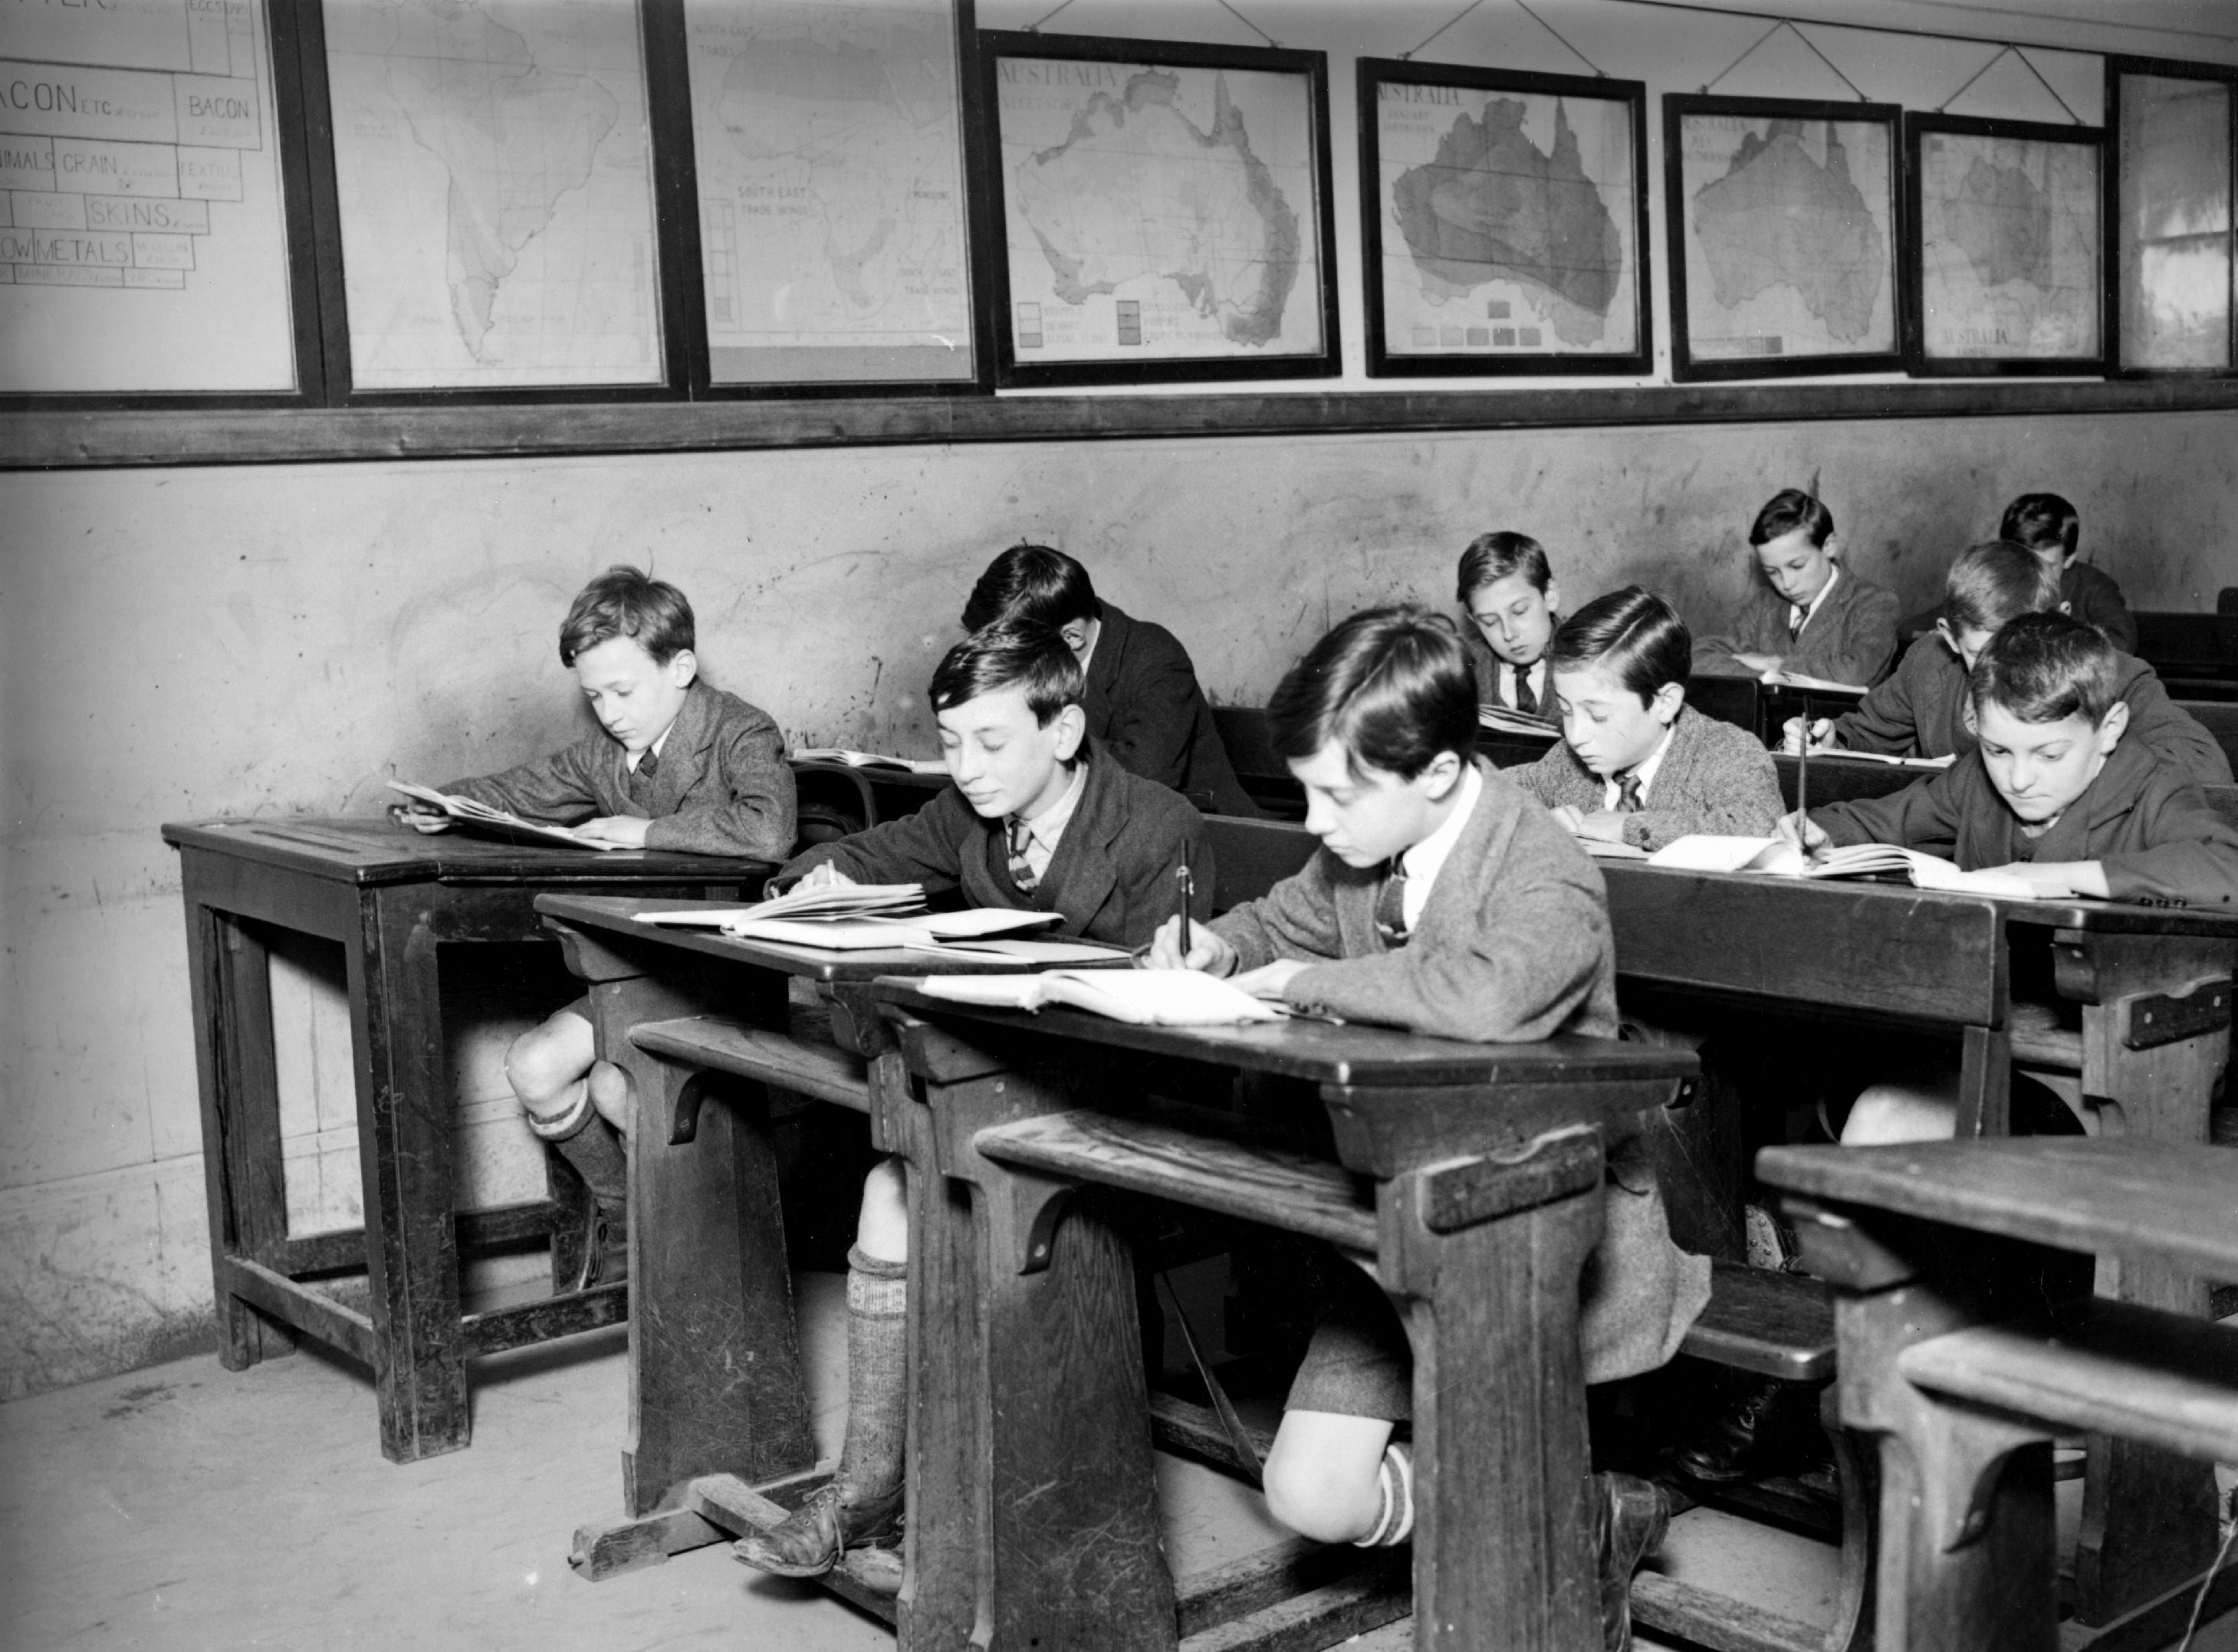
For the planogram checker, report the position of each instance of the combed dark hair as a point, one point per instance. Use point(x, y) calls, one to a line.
point(1391, 686)
point(1492, 557)
point(628, 602)
point(1635, 635)
point(1006, 656)
point(2044, 667)
point(1994, 583)
point(1032, 584)
point(2041, 522)
point(1790, 509)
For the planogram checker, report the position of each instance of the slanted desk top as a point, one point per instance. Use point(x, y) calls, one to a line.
point(371, 850)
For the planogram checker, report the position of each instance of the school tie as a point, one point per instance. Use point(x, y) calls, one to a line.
point(1525, 700)
point(1797, 614)
point(1627, 794)
point(649, 765)
point(1022, 869)
point(1391, 905)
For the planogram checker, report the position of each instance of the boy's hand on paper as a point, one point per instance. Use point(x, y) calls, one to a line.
point(1604, 824)
point(420, 817)
point(1207, 952)
point(1569, 818)
point(1269, 981)
point(1805, 834)
point(628, 830)
point(821, 876)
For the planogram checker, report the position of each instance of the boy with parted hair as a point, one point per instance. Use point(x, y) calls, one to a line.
point(1143, 704)
point(1444, 901)
point(2050, 528)
point(1922, 711)
point(679, 765)
point(1039, 818)
point(1506, 588)
point(1807, 612)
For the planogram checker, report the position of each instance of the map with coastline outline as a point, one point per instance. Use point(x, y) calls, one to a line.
point(1509, 222)
point(1789, 237)
point(494, 165)
point(1166, 212)
point(832, 200)
point(2009, 248)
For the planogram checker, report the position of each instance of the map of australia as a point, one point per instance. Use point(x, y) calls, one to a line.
point(515, 136)
point(1137, 189)
point(1493, 205)
point(1780, 217)
point(2001, 222)
point(2009, 246)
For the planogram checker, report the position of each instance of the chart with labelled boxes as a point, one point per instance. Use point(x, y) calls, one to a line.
point(136, 160)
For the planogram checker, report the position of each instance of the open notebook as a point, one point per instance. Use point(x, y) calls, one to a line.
point(871, 760)
point(498, 822)
point(1506, 720)
point(816, 918)
point(1708, 852)
point(1146, 997)
point(1841, 756)
point(1797, 679)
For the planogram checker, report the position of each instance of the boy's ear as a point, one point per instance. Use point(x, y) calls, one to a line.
point(1950, 639)
point(1663, 705)
point(1071, 726)
point(1440, 775)
point(2111, 728)
point(683, 667)
point(1554, 596)
point(1833, 546)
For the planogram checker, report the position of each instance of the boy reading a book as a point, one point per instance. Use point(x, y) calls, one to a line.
point(2050, 527)
point(1508, 592)
point(1040, 818)
point(1921, 710)
point(1144, 705)
point(1636, 764)
point(677, 764)
point(1444, 901)
point(1809, 615)
point(2053, 794)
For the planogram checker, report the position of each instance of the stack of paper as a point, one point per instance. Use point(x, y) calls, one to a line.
point(1708, 852)
point(1145, 997)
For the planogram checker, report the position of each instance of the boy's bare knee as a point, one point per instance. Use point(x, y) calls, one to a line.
point(1887, 1114)
point(610, 1093)
point(1321, 1477)
point(881, 1227)
point(545, 1061)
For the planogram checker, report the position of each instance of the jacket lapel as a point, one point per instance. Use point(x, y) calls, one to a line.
point(683, 757)
point(1082, 872)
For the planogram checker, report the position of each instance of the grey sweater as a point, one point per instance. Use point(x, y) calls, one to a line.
point(1851, 639)
point(1714, 777)
point(1513, 945)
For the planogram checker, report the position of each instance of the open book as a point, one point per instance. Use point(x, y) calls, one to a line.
point(1146, 997)
point(1843, 753)
point(1710, 852)
point(857, 928)
point(1796, 679)
point(871, 760)
point(1506, 721)
point(498, 822)
point(1601, 849)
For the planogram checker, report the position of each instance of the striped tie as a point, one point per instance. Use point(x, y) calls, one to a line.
point(1627, 794)
point(1391, 906)
point(1022, 869)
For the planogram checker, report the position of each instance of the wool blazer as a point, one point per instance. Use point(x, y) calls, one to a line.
point(1851, 639)
point(2147, 824)
point(2093, 598)
point(1111, 878)
point(1144, 707)
point(1513, 945)
point(722, 785)
point(1713, 777)
point(1921, 712)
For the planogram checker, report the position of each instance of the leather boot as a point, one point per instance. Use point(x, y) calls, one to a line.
point(811, 1540)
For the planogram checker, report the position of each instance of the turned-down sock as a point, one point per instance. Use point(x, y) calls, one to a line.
point(1395, 1483)
point(870, 1462)
point(588, 1142)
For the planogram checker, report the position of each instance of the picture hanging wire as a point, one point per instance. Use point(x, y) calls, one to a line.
point(2013, 50)
point(1788, 24)
point(1600, 73)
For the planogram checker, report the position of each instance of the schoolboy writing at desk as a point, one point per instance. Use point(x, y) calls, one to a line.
point(1807, 614)
point(2054, 794)
point(1040, 818)
point(1444, 901)
point(677, 764)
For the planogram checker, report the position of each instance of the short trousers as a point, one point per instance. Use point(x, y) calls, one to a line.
point(1359, 1363)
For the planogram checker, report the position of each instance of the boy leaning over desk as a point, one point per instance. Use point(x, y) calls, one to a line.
point(1040, 818)
point(1444, 900)
point(677, 764)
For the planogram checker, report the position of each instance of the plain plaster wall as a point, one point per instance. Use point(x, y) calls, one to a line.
point(191, 644)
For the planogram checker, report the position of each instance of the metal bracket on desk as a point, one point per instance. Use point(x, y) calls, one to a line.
point(2164, 1018)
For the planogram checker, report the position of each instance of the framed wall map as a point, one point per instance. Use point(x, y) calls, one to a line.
point(1504, 221)
point(1783, 223)
point(2004, 256)
point(2169, 217)
point(1153, 210)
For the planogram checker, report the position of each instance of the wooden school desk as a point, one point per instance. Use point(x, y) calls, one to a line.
point(718, 1413)
point(2153, 985)
point(395, 899)
point(1468, 1175)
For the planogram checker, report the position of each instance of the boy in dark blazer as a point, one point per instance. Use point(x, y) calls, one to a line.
point(676, 765)
point(1444, 901)
point(1039, 819)
point(2050, 527)
point(1921, 710)
point(1807, 614)
point(1143, 704)
point(1636, 764)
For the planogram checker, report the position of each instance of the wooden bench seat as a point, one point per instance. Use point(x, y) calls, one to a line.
point(722, 1045)
point(1774, 1324)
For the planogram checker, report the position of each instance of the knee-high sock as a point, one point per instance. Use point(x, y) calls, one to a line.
point(588, 1142)
point(870, 1463)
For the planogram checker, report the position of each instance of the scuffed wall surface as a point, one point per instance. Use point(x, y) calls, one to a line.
point(188, 644)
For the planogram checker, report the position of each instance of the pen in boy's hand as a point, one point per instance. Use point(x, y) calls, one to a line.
point(1188, 898)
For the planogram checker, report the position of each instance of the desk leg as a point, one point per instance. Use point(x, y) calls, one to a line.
point(243, 1170)
point(2149, 1517)
point(1484, 1258)
point(404, 1122)
point(715, 1383)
